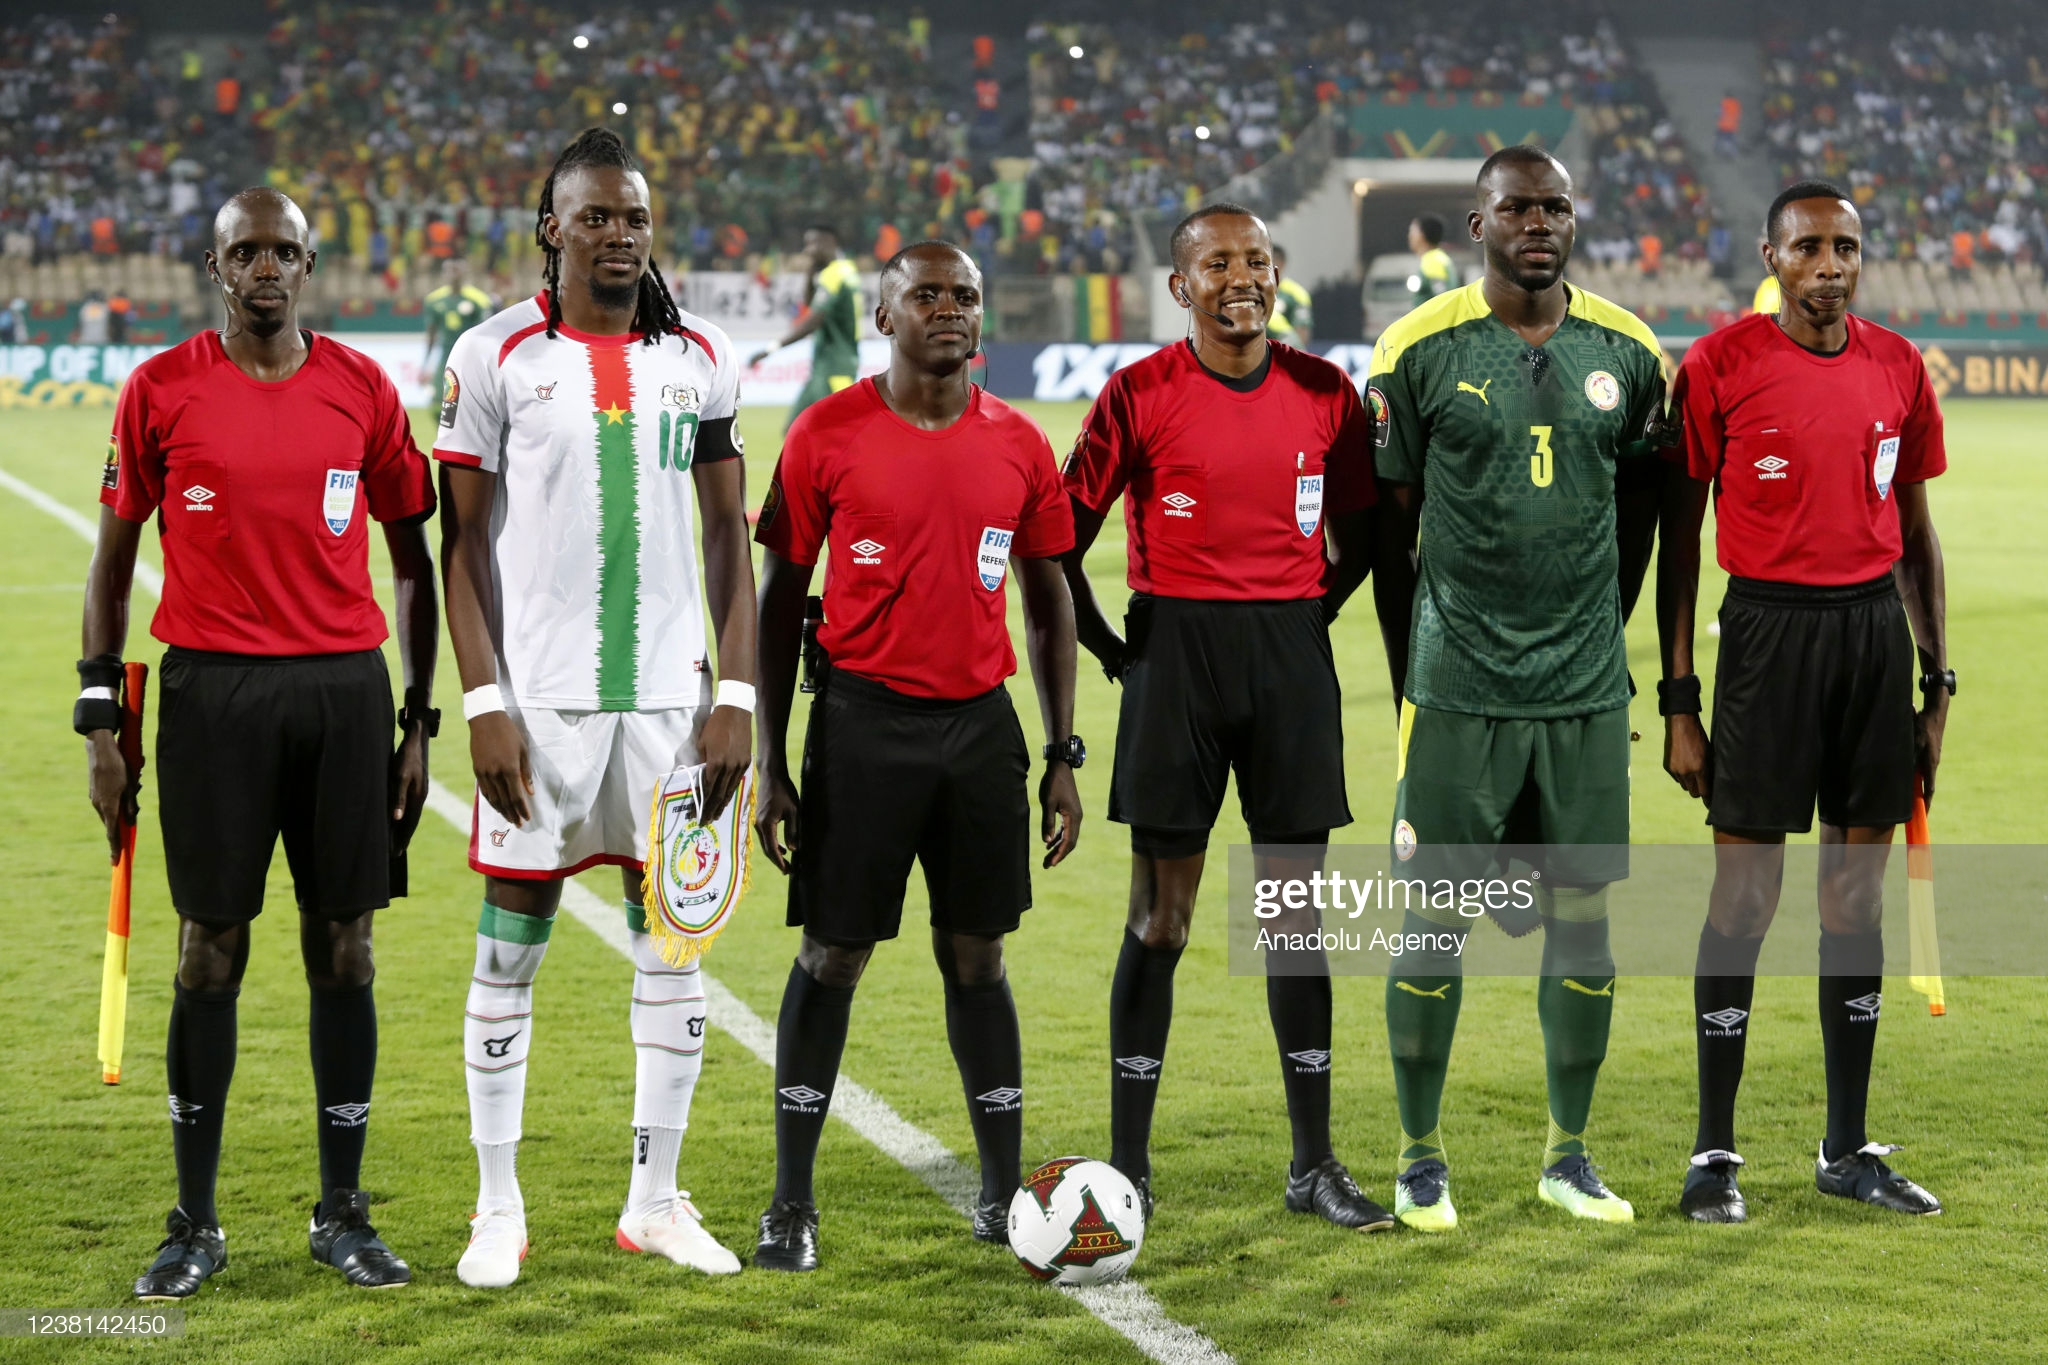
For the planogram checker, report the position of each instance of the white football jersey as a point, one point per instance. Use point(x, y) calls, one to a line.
point(599, 595)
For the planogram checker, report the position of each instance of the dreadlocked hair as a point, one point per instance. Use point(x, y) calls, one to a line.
point(655, 314)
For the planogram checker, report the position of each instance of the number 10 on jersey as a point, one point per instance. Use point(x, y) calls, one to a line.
point(1539, 463)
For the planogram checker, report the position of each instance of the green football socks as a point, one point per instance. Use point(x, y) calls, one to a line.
point(1424, 992)
point(1575, 1001)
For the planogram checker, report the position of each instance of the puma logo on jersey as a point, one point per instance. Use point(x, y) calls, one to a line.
point(1437, 994)
point(546, 392)
point(1463, 387)
point(1572, 985)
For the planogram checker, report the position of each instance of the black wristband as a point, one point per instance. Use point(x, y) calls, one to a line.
point(1679, 696)
point(98, 713)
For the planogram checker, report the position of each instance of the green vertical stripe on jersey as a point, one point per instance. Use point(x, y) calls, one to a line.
point(618, 531)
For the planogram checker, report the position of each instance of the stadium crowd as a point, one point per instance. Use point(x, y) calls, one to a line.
point(1941, 134)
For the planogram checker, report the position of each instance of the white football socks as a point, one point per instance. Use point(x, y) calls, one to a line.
point(668, 1047)
point(497, 1032)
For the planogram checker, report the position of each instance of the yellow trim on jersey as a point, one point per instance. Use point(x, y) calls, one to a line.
point(1296, 291)
point(1407, 730)
point(1435, 264)
point(1614, 318)
point(838, 274)
point(1452, 309)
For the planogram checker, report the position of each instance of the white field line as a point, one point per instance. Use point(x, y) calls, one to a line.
point(1125, 1307)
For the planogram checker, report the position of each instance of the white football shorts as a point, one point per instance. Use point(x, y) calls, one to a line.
point(594, 774)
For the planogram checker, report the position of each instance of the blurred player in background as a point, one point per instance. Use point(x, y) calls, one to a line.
point(927, 492)
point(1817, 432)
point(262, 451)
point(1435, 272)
point(581, 433)
point(831, 320)
point(1294, 308)
point(451, 309)
point(1247, 486)
point(1502, 410)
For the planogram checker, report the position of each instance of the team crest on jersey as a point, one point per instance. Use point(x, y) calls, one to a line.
point(993, 556)
point(451, 396)
point(1602, 390)
point(1376, 405)
point(340, 503)
point(1308, 502)
point(681, 396)
point(1887, 464)
point(110, 476)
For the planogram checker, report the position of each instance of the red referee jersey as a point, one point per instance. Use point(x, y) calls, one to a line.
point(260, 493)
point(1804, 450)
point(1227, 490)
point(921, 526)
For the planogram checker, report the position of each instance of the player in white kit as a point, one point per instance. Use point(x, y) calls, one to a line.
point(583, 433)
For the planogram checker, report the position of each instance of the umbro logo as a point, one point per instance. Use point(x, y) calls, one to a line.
point(1002, 1099)
point(696, 1025)
point(181, 1110)
point(867, 551)
point(1773, 467)
point(199, 498)
point(801, 1095)
point(1139, 1068)
point(1177, 504)
point(1865, 1007)
point(349, 1115)
point(501, 1047)
point(1726, 1019)
point(1313, 1059)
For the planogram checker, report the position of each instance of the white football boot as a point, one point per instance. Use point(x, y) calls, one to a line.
point(673, 1228)
point(497, 1244)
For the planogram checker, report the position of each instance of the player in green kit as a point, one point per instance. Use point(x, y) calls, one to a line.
point(832, 320)
point(450, 310)
point(1501, 413)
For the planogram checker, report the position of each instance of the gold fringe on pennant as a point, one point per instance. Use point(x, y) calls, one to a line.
point(679, 949)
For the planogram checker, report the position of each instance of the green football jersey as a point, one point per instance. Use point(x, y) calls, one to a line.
point(836, 343)
point(1518, 604)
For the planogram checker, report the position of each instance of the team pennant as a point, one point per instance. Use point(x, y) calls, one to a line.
point(696, 869)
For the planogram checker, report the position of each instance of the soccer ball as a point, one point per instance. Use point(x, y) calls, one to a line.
point(1076, 1221)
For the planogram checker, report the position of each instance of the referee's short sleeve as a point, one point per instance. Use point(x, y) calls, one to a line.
point(794, 516)
point(472, 405)
point(132, 483)
point(395, 478)
point(1695, 406)
point(1098, 468)
point(1046, 527)
point(1349, 485)
point(1924, 451)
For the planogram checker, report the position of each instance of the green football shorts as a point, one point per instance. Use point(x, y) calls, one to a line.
point(1474, 782)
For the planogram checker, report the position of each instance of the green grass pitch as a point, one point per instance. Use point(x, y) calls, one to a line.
point(85, 1171)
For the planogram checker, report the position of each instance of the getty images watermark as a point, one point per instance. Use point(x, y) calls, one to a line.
point(1363, 909)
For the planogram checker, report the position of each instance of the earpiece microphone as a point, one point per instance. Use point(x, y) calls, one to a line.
point(1217, 317)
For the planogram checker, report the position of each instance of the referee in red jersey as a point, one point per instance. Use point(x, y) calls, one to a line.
point(1817, 432)
point(927, 490)
point(1246, 472)
point(263, 452)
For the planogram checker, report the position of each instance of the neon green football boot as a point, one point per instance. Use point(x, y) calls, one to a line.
point(1571, 1185)
point(1422, 1197)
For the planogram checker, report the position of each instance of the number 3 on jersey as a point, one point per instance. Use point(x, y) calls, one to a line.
point(1539, 463)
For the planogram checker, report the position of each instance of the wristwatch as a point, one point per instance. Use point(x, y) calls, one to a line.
point(1934, 680)
point(431, 718)
point(1070, 751)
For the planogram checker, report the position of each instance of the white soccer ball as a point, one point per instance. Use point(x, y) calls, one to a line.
point(1076, 1221)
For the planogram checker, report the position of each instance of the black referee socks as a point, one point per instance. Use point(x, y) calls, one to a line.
point(1723, 988)
point(199, 1061)
point(810, 1036)
point(1299, 1006)
point(1851, 992)
point(1140, 1013)
point(981, 1024)
point(343, 1031)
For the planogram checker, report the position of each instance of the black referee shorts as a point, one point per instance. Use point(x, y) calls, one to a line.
point(1216, 686)
point(888, 778)
point(1813, 699)
point(249, 748)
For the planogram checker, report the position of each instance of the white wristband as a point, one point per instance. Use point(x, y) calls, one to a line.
point(481, 701)
point(738, 694)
